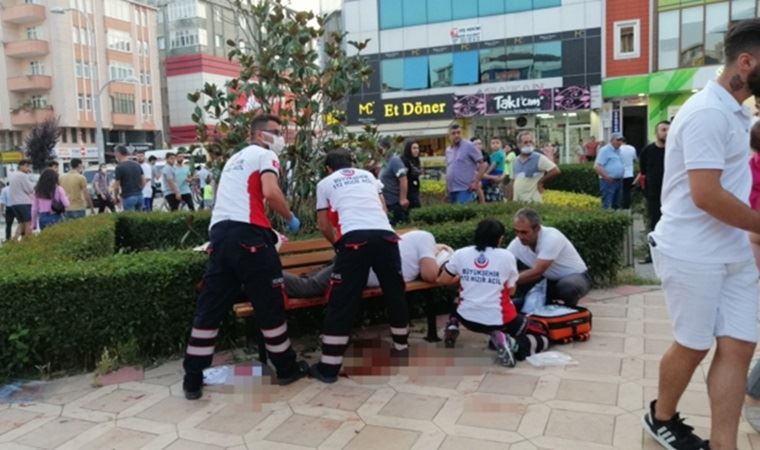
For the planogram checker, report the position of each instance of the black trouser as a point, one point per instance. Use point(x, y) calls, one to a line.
point(399, 214)
point(172, 201)
point(239, 253)
point(569, 289)
point(188, 200)
point(356, 253)
point(529, 340)
point(414, 199)
point(625, 201)
point(653, 209)
point(106, 202)
point(9, 218)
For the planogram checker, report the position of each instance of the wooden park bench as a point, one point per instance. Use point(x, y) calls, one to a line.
point(299, 257)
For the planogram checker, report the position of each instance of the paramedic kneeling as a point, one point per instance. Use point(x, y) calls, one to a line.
point(545, 253)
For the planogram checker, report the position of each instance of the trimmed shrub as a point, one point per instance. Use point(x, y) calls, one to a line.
point(571, 199)
point(159, 231)
point(579, 178)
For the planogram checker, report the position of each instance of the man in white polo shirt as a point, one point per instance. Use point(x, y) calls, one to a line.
point(351, 215)
point(701, 251)
point(545, 253)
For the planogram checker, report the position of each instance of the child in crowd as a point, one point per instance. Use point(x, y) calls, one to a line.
point(487, 276)
point(754, 196)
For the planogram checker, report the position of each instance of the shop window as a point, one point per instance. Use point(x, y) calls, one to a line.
point(415, 12)
point(416, 73)
point(390, 14)
point(547, 59)
point(742, 9)
point(519, 62)
point(441, 70)
point(668, 27)
point(716, 25)
point(519, 5)
point(393, 74)
point(466, 68)
point(73, 135)
point(464, 9)
point(493, 65)
point(491, 7)
point(692, 37)
point(627, 39)
point(438, 10)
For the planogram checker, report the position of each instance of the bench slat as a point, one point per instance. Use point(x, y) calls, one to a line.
point(307, 259)
point(308, 245)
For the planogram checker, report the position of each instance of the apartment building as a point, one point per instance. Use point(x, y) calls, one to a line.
point(61, 57)
point(495, 66)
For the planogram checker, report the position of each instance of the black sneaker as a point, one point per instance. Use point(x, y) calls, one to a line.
point(302, 369)
point(451, 334)
point(673, 434)
point(192, 387)
point(315, 373)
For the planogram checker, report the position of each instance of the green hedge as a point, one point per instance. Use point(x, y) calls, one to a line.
point(596, 234)
point(579, 178)
point(159, 231)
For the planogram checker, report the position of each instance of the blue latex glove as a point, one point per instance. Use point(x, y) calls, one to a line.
point(294, 225)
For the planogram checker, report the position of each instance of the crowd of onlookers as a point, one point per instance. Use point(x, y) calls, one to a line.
point(35, 203)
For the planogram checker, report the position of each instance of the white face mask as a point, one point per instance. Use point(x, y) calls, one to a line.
point(277, 144)
point(526, 150)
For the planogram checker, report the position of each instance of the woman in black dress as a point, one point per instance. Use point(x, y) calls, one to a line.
point(411, 159)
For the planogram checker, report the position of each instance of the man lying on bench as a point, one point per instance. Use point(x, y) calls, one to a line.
point(420, 259)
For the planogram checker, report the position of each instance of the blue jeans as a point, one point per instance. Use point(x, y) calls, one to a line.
point(47, 219)
point(75, 214)
point(461, 197)
point(133, 203)
point(147, 203)
point(612, 193)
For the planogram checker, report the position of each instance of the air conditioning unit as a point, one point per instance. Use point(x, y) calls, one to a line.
point(525, 122)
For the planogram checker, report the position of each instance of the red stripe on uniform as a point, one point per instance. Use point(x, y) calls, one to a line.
point(508, 310)
point(334, 219)
point(258, 215)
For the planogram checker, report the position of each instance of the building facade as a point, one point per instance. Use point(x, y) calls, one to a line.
point(59, 57)
point(192, 41)
point(495, 66)
point(669, 49)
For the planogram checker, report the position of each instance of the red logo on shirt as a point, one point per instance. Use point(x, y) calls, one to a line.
point(481, 262)
point(348, 172)
point(276, 164)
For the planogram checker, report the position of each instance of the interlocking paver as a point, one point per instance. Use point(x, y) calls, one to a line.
point(469, 404)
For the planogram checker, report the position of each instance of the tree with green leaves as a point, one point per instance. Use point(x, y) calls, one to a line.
point(280, 73)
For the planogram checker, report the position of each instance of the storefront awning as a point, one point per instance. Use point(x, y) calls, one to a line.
point(665, 82)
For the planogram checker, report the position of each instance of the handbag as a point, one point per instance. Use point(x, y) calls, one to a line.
point(56, 206)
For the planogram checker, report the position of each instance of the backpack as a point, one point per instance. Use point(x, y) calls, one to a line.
point(564, 324)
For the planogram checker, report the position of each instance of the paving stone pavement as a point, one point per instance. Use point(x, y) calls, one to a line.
point(444, 400)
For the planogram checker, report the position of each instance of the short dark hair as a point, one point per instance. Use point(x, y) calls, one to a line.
point(662, 122)
point(742, 37)
point(121, 149)
point(75, 163)
point(152, 158)
point(476, 138)
point(385, 143)
point(24, 162)
point(754, 137)
point(140, 150)
point(488, 233)
point(259, 122)
point(169, 155)
point(338, 159)
point(52, 163)
point(454, 126)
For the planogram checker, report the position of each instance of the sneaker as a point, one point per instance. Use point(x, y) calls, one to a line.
point(673, 434)
point(505, 355)
point(192, 388)
point(315, 373)
point(302, 369)
point(451, 334)
point(193, 394)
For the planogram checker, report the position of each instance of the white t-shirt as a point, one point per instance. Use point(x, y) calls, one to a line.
point(413, 246)
point(628, 153)
point(352, 198)
point(239, 196)
point(485, 280)
point(710, 131)
point(552, 245)
point(147, 190)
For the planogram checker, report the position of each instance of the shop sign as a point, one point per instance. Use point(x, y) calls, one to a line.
point(465, 35)
point(572, 98)
point(373, 110)
point(470, 105)
point(11, 157)
point(519, 102)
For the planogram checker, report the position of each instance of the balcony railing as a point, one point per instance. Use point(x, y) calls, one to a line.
point(27, 48)
point(30, 117)
point(30, 83)
point(23, 14)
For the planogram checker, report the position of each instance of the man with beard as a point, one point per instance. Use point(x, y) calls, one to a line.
point(651, 170)
point(702, 253)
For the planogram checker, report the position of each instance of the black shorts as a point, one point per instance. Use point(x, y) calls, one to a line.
point(23, 213)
